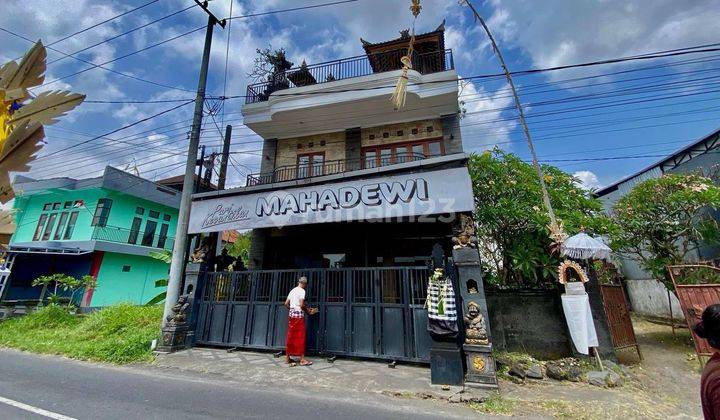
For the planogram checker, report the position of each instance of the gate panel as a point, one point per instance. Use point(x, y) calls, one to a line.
point(617, 313)
point(363, 313)
point(392, 313)
point(261, 297)
point(418, 281)
point(334, 314)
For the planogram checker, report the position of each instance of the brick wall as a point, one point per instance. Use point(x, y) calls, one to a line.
point(402, 132)
point(333, 144)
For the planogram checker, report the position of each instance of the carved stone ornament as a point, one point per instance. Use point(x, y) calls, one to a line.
point(479, 363)
point(179, 315)
point(475, 329)
point(566, 265)
point(465, 233)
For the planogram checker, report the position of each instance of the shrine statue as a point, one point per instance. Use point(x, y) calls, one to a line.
point(180, 309)
point(465, 233)
point(475, 330)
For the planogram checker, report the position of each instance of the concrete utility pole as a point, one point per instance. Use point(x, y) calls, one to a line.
point(177, 265)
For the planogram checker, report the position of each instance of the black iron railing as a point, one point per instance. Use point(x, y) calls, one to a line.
point(347, 68)
point(330, 167)
point(132, 237)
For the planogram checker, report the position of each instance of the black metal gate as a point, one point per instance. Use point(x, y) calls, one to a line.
point(366, 312)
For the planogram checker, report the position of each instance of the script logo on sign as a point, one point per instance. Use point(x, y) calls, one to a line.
point(225, 214)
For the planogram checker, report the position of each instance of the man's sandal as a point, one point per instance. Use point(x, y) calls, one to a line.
point(306, 363)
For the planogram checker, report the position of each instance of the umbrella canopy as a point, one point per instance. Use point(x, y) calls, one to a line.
point(583, 246)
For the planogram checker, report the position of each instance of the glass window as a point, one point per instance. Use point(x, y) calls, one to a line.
point(149, 234)
point(40, 227)
point(56, 206)
point(60, 226)
point(47, 206)
point(102, 211)
point(134, 230)
point(154, 214)
point(67, 204)
point(49, 227)
point(162, 237)
point(385, 157)
point(139, 210)
point(303, 164)
point(434, 148)
point(370, 159)
point(418, 152)
point(401, 154)
point(318, 164)
point(71, 225)
point(166, 217)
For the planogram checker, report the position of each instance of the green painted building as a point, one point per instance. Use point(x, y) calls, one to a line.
point(105, 227)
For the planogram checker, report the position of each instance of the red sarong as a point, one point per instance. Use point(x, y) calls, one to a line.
point(295, 340)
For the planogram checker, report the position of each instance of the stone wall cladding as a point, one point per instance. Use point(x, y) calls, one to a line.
point(289, 149)
point(407, 132)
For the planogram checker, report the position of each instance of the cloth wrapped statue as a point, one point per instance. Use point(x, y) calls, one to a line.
point(440, 303)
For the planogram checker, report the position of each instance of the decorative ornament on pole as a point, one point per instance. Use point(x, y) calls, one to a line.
point(557, 232)
point(22, 116)
point(398, 96)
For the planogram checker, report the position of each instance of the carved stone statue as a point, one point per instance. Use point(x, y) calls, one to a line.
point(179, 315)
point(475, 330)
point(465, 233)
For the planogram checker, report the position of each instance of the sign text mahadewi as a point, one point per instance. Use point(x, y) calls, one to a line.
point(426, 193)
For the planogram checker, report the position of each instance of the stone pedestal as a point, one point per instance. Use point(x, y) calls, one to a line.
point(446, 363)
point(173, 339)
point(193, 289)
point(480, 366)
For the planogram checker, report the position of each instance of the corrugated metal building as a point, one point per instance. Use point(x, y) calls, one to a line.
point(648, 296)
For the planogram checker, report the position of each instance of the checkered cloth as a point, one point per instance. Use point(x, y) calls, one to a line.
point(441, 300)
point(294, 313)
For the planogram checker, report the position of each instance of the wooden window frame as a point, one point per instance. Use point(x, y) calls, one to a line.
point(310, 165)
point(407, 144)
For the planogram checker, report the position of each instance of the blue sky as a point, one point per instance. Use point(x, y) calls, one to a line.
point(531, 34)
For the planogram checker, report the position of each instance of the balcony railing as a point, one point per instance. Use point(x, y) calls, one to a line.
point(347, 68)
point(330, 167)
point(132, 237)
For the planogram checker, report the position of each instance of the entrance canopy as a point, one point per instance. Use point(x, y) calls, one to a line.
point(371, 197)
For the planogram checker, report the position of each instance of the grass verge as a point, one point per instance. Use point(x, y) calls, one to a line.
point(117, 334)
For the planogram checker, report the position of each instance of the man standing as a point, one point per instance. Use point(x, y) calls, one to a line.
point(295, 341)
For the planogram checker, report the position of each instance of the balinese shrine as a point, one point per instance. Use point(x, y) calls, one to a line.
point(370, 201)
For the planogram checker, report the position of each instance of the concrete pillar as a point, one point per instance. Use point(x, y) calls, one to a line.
point(353, 147)
point(256, 255)
point(452, 139)
point(268, 155)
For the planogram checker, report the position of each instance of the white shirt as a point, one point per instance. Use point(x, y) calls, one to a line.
point(295, 297)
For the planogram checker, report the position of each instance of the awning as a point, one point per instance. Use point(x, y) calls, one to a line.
point(47, 250)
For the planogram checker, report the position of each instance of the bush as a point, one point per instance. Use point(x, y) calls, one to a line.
point(117, 334)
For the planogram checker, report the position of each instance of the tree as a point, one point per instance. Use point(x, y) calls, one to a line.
point(166, 257)
point(241, 248)
point(663, 221)
point(63, 282)
point(512, 225)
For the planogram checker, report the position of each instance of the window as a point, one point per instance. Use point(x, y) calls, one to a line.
point(134, 230)
point(166, 217)
point(56, 206)
point(102, 211)
point(67, 204)
point(139, 210)
point(310, 164)
point(162, 237)
point(60, 226)
point(47, 207)
point(154, 214)
point(149, 234)
point(49, 227)
point(71, 225)
point(40, 227)
point(126, 268)
point(389, 154)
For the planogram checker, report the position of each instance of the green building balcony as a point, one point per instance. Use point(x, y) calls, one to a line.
point(139, 237)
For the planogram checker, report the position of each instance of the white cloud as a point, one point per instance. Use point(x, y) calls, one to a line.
point(484, 127)
point(587, 180)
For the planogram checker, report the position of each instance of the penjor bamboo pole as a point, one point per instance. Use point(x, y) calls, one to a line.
point(555, 228)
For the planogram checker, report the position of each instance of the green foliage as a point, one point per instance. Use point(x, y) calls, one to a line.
point(662, 220)
point(697, 275)
point(166, 257)
point(512, 222)
point(241, 248)
point(116, 334)
point(64, 282)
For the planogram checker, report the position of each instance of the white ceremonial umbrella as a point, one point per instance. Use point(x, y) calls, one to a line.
point(583, 246)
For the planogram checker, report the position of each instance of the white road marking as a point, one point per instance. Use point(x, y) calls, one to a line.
point(36, 410)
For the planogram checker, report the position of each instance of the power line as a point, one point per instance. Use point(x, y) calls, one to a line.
point(314, 6)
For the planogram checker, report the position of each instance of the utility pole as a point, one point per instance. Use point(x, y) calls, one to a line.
point(177, 265)
point(224, 158)
point(200, 164)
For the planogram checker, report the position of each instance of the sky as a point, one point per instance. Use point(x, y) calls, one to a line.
point(599, 123)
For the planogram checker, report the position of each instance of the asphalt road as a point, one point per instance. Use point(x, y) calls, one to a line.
point(40, 387)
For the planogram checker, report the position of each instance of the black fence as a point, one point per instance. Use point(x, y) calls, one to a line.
point(132, 237)
point(347, 68)
point(293, 172)
point(363, 312)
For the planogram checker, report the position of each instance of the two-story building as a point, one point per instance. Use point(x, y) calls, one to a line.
point(104, 227)
point(358, 196)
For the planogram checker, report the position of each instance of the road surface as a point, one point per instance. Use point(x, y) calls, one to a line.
point(41, 387)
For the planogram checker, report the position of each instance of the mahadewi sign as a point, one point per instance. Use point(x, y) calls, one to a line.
point(426, 193)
